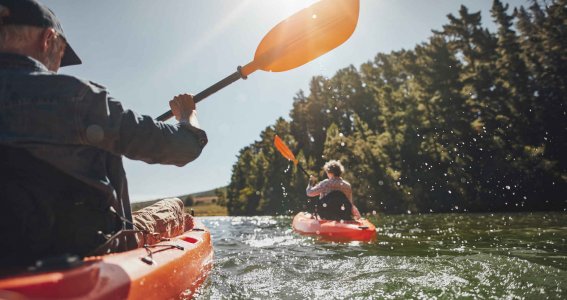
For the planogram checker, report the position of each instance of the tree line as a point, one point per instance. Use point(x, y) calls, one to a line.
point(468, 121)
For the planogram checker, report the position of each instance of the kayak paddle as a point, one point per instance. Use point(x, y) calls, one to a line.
point(295, 41)
point(286, 152)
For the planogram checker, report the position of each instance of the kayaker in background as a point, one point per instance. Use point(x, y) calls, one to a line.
point(63, 187)
point(332, 204)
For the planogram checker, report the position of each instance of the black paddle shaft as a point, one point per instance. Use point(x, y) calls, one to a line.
point(209, 91)
point(302, 169)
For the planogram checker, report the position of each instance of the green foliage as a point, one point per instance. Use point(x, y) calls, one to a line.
point(221, 195)
point(467, 121)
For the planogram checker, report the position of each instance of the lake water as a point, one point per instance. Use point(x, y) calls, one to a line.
point(435, 256)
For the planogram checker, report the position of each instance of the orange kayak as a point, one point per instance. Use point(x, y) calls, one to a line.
point(361, 230)
point(176, 269)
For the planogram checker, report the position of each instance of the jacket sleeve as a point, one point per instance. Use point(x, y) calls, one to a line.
point(109, 126)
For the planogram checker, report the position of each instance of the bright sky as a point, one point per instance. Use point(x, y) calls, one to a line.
point(147, 51)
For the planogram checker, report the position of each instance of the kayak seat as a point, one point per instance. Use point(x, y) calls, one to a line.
point(335, 206)
point(47, 213)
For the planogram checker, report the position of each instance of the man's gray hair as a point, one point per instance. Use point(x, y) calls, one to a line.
point(17, 36)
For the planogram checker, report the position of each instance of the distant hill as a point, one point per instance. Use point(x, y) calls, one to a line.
point(204, 194)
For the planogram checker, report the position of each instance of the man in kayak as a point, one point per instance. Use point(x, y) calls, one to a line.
point(335, 193)
point(63, 188)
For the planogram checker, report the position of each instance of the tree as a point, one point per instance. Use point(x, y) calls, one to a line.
point(468, 121)
point(221, 196)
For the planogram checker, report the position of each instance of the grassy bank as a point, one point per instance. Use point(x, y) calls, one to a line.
point(202, 210)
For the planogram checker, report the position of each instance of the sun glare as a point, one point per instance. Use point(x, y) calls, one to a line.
point(195, 46)
point(268, 11)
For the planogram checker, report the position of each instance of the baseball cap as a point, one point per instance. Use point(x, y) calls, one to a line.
point(33, 13)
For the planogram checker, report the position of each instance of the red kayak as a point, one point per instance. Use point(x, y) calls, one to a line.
point(175, 269)
point(362, 230)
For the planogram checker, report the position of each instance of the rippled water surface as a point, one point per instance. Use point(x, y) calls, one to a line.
point(445, 256)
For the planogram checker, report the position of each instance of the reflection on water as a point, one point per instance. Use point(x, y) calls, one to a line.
point(415, 256)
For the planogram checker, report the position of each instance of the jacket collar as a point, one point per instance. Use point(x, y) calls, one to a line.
point(17, 61)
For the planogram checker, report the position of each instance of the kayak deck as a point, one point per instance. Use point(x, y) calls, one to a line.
point(363, 230)
point(176, 269)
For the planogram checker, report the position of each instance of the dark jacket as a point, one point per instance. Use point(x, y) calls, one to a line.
point(74, 127)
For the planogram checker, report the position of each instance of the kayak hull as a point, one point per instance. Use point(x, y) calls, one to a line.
point(362, 230)
point(176, 269)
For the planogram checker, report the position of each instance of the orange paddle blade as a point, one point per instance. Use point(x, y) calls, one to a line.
point(305, 36)
point(283, 149)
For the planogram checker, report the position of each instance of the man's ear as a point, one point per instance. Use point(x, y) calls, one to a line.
point(46, 38)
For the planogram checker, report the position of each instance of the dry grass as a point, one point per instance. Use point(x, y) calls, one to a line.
point(202, 210)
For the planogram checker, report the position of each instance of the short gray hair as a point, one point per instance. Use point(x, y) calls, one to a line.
point(335, 167)
point(17, 36)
